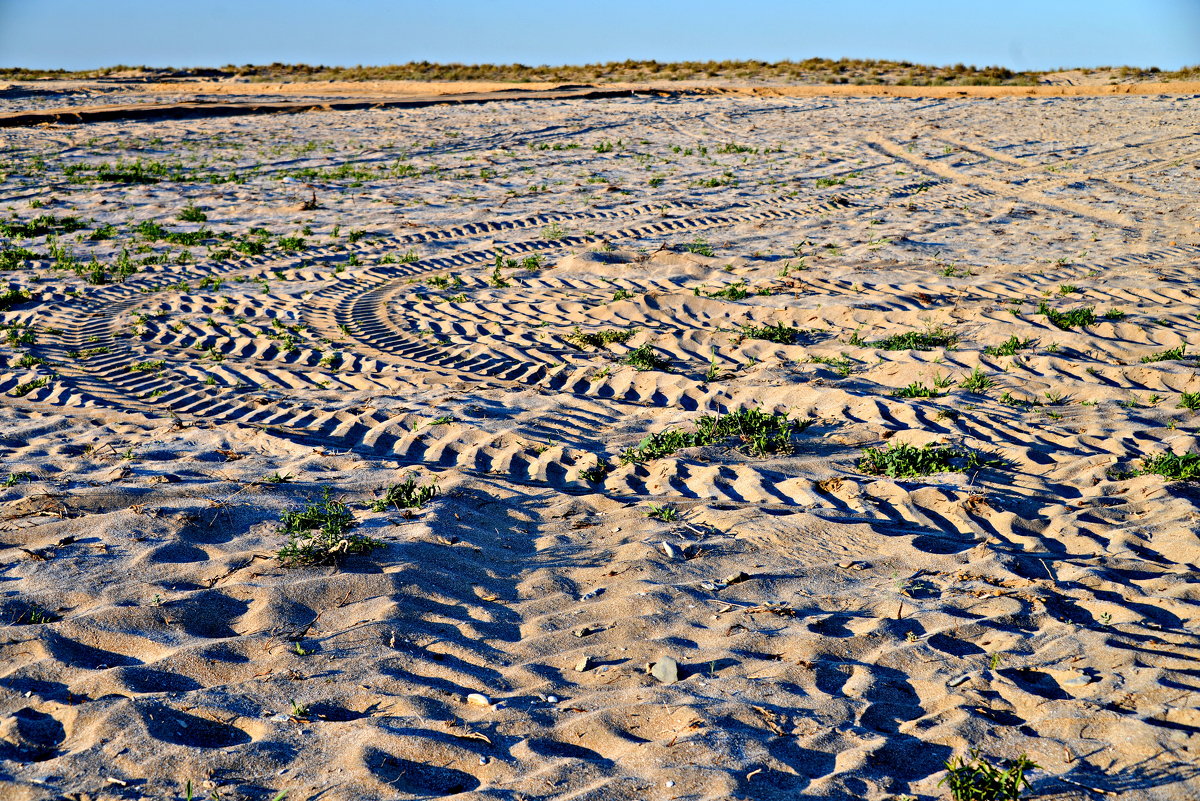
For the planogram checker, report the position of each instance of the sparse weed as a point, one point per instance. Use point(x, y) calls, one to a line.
point(780, 333)
point(596, 473)
point(916, 390)
point(901, 460)
point(191, 213)
point(759, 433)
point(1171, 466)
point(1189, 400)
point(1068, 320)
point(406, 495)
point(644, 358)
point(1166, 355)
point(978, 381)
point(666, 512)
point(1008, 347)
point(973, 778)
point(599, 339)
point(320, 534)
point(13, 297)
point(916, 340)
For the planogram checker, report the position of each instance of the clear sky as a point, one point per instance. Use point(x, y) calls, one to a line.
point(1021, 34)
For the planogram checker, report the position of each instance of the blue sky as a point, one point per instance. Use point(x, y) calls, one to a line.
point(1022, 34)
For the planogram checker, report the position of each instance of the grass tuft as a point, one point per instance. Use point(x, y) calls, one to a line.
point(1008, 347)
point(406, 495)
point(320, 534)
point(644, 358)
point(1166, 355)
point(599, 339)
point(901, 460)
point(757, 432)
point(1171, 466)
point(918, 340)
point(1068, 320)
point(973, 778)
point(780, 334)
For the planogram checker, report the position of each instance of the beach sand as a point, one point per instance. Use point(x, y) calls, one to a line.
point(378, 295)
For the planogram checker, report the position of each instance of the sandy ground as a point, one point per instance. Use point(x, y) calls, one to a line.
point(838, 634)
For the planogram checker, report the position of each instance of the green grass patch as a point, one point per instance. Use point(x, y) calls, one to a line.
point(1068, 320)
point(41, 225)
point(1166, 355)
point(901, 460)
point(754, 431)
point(320, 534)
point(977, 381)
point(1189, 400)
point(780, 334)
point(644, 358)
point(15, 258)
point(29, 386)
point(13, 297)
point(973, 778)
point(405, 495)
point(1171, 466)
point(1008, 347)
point(598, 339)
point(917, 340)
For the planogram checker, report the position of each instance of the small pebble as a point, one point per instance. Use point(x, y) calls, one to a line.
point(478, 699)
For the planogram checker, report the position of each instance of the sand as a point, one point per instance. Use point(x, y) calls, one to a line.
point(837, 634)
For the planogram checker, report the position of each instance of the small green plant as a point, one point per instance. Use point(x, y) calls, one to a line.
point(1008, 347)
point(320, 534)
point(917, 340)
point(15, 478)
point(148, 366)
point(1166, 355)
point(973, 778)
point(13, 297)
point(780, 333)
point(644, 358)
point(20, 336)
point(916, 390)
point(1114, 314)
point(700, 247)
point(596, 473)
point(1171, 466)
point(1189, 400)
point(978, 381)
point(901, 460)
point(735, 291)
point(756, 432)
point(824, 182)
point(713, 373)
point(598, 339)
point(666, 512)
point(406, 495)
point(554, 232)
point(21, 390)
point(191, 213)
point(622, 294)
point(1068, 320)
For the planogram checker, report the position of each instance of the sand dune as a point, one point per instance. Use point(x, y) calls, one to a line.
point(384, 294)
